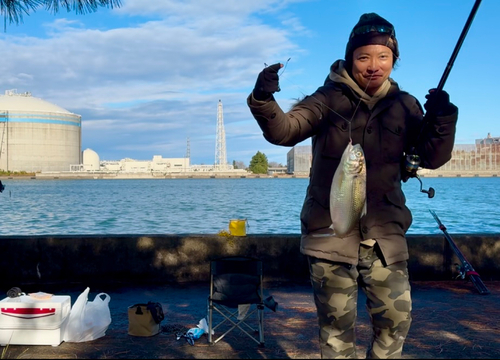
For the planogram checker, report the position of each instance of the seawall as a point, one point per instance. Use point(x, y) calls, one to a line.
point(162, 259)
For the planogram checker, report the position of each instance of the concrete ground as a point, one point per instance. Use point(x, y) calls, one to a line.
point(450, 321)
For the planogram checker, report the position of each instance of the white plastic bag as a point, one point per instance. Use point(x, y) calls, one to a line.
point(88, 320)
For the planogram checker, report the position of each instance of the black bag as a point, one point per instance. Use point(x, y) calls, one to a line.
point(145, 319)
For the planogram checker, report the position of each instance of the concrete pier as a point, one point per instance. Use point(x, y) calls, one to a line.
point(161, 259)
point(450, 319)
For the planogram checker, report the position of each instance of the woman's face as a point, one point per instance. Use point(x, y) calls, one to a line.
point(371, 66)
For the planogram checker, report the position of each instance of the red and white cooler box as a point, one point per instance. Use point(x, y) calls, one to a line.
point(25, 320)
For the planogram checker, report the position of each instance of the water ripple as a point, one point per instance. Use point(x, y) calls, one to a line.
point(205, 206)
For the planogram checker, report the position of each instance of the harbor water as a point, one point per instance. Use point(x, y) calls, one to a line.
point(205, 206)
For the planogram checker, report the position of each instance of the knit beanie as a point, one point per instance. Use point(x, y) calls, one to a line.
point(372, 29)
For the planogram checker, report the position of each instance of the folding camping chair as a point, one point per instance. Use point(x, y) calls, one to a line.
point(236, 292)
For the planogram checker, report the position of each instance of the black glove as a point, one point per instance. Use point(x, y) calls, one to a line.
point(438, 103)
point(267, 82)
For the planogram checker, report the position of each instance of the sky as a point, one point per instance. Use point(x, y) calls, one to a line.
point(147, 77)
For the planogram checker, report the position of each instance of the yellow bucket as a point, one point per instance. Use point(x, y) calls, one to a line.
point(238, 227)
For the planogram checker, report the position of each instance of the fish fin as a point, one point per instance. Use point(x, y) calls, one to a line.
point(364, 209)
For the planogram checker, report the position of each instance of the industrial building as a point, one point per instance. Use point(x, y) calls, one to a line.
point(483, 157)
point(299, 160)
point(157, 165)
point(37, 136)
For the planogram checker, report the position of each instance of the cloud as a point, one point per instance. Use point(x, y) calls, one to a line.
point(143, 88)
point(193, 9)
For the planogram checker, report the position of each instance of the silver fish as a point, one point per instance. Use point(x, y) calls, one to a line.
point(348, 191)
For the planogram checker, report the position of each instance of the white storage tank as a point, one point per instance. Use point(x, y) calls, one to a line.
point(90, 160)
point(37, 136)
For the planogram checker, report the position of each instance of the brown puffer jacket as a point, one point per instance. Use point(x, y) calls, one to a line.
point(385, 133)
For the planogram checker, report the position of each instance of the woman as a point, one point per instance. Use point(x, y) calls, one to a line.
point(360, 102)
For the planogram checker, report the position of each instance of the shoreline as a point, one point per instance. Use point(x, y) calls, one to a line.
point(225, 175)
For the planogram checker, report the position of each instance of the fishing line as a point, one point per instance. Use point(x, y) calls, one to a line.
point(284, 67)
point(311, 95)
point(326, 106)
point(279, 75)
point(349, 121)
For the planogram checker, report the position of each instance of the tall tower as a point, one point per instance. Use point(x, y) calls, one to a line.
point(220, 143)
point(188, 150)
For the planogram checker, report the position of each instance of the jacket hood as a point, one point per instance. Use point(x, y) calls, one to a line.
point(339, 74)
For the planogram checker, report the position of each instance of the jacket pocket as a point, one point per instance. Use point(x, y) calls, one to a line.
point(397, 198)
point(315, 212)
point(337, 136)
point(393, 138)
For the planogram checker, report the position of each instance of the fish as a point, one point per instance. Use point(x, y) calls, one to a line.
point(348, 190)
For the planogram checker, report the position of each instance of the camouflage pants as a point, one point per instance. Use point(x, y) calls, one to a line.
point(387, 288)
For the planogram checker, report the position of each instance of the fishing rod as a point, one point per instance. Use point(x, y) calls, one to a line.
point(465, 268)
point(412, 160)
point(458, 45)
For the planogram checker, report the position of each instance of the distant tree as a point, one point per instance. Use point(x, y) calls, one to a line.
point(275, 164)
point(259, 164)
point(239, 164)
point(13, 10)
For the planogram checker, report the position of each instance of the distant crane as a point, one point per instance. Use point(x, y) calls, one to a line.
point(220, 143)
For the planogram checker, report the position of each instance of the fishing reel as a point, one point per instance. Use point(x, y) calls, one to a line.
point(411, 164)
